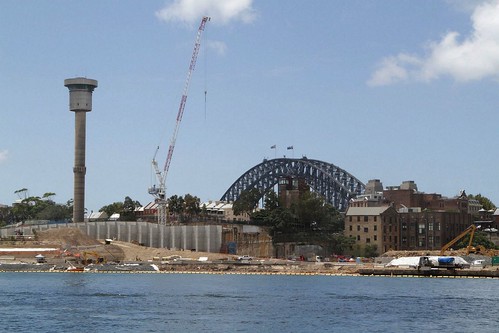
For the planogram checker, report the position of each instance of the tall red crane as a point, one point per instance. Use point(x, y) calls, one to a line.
point(159, 190)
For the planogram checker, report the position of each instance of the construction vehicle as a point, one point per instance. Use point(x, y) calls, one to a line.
point(469, 248)
point(97, 258)
point(159, 190)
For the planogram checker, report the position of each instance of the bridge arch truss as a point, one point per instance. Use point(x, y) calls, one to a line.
point(334, 184)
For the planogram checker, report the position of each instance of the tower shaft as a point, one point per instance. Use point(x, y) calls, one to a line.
point(80, 102)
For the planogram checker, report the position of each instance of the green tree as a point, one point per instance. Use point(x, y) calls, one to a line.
point(484, 201)
point(28, 208)
point(6, 216)
point(176, 204)
point(204, 210)
point(269, 212)
point(34, 207)
point(128, 212)
point(54, 212)
point(247, 201)
point(22, 193)
point(192, 205)
point(310, 220)
point(126, 209)
point(48, 195)
point(271, 201)
point(115, 207)
point(339, 243)
point(371, 250)
point(313, 213)
point(479, 238)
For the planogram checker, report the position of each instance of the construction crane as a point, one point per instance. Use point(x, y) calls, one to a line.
point(159, 190)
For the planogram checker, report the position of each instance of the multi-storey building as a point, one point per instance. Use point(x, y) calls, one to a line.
point(223, 210)
point(290, 189)
point(421, 221)
point(430, 229)
point(377, 226)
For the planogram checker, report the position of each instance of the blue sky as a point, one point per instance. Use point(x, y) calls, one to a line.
point(394, 90)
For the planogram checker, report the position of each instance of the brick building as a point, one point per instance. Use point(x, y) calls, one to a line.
point(430, 229)
point(290, 190)
point(421, 221)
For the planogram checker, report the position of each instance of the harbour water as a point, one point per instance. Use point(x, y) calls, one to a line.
point(86, 302)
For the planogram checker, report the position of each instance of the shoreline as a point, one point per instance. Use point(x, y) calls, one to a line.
point(288, 269)
point(264, 273)
point(50, 253)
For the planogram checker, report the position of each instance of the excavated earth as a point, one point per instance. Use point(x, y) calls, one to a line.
point(70, 245)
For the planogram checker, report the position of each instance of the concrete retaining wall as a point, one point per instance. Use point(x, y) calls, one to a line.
point(204, 238)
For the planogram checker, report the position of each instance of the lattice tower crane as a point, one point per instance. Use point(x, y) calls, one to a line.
point(159, 191)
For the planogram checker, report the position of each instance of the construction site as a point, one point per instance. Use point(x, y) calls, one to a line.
point(70, 250)
point(138, 246)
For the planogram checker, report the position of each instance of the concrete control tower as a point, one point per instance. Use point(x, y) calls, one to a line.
point(80, 102)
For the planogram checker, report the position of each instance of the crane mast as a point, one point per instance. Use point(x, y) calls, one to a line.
point(159, 192)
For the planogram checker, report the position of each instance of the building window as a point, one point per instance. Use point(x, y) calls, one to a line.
point(368, 240)
point(375, 238)
point(375, 218)
point(430, 226)
point(350, 228)
point(358, 218)
point(421, 228)
point(358, 237)
point(358, 228)
point(350, 218)
point(366, 229)
point(366, 218)
point(375, 227)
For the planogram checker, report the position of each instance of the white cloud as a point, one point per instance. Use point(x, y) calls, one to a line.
point(221, 11)
point(3, 155)
point(219, 47)
point(473, 58)
point(393, 69)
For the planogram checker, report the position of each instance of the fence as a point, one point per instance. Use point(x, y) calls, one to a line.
point(204, 238)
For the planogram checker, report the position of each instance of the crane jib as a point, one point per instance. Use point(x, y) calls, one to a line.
point(159, 192)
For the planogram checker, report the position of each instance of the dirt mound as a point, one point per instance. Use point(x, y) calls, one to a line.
point(135, 252)
point(65, 237)
point(398, 254)
point(459, 253)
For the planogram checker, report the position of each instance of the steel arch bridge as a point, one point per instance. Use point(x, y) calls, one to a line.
point(334, 184)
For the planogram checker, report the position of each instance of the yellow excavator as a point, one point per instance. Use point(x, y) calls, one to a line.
point(469, 249)
point(98, 259)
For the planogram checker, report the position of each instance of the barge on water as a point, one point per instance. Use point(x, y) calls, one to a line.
point(399, 272)
point(429, 266)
